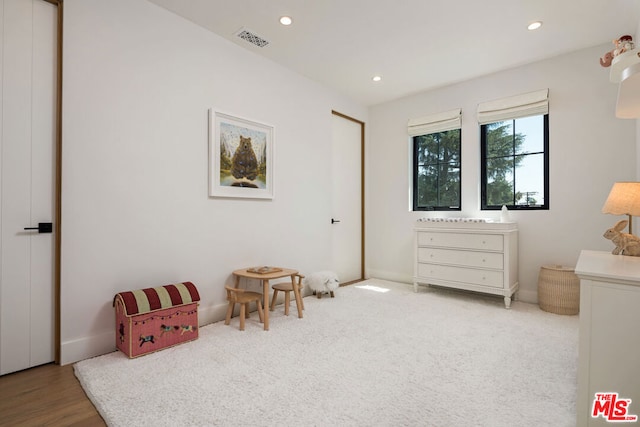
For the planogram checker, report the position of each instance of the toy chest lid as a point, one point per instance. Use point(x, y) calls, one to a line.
point(147, 300)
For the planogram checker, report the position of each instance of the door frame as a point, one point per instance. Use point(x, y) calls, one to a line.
point(362, 204)
point(58, 187)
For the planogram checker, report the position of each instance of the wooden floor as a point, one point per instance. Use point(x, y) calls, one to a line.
point(49, 395)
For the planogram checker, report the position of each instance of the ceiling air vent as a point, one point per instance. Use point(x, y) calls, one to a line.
point(251, 37)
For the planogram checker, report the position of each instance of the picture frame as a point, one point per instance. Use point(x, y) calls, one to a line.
point(241, 162)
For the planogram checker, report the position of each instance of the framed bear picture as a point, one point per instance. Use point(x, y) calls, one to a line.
point(240, 157)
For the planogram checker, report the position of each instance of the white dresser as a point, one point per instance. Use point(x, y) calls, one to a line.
point(475, 256)
point(609, 349)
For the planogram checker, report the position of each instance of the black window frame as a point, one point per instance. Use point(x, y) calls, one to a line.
point(483, 169)
point(415, 206)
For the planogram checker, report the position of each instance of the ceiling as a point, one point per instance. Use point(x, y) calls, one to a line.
point(414, 45)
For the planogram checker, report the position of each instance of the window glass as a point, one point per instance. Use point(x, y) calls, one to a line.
point(532, 129)
point(515, 166)
point(436, 172)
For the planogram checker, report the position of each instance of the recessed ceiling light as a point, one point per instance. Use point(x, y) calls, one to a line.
point(535, 25)
point(376, 78)
point(286, 20)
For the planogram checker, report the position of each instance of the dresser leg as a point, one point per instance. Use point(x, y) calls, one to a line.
point(415, 286)
point(507, 302)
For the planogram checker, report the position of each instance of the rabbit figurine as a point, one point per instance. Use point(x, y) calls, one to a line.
point(626, 244)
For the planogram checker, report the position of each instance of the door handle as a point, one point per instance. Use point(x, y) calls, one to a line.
point(43, 227)
point(333, 221)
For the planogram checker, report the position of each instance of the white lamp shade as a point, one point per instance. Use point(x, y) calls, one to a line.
point(624, 199)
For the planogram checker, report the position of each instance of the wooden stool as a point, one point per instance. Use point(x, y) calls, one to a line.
point(287, 288)
point(244, 298)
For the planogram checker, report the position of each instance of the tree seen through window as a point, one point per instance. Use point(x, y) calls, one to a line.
point(436, 178)
point(515, 163)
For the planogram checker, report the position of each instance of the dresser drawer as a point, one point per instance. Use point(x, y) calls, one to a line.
point(489, 278)
point(463, 258)
point(490, 242)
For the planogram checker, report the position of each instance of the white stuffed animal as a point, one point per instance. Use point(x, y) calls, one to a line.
point(322, 281)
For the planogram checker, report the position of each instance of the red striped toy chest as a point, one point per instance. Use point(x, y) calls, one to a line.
point(151, 319)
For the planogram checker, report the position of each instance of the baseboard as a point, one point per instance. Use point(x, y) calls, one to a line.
point(211, 314)
point(530, 297)
point(388, 275)
point(87, 347)
point(527, 296)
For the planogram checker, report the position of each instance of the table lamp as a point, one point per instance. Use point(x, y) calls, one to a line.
point(624, 199)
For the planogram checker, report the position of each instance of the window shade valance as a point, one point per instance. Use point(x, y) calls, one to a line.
point(513, 107)
point(433, 123)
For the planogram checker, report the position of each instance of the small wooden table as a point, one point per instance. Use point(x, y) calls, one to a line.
point(265, 277)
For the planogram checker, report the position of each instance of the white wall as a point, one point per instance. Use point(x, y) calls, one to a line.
point(138, 82)
point(589, 150)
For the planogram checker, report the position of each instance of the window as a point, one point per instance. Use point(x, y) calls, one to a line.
point(515, 163)
point(436, 161)
point(514, 151)
point(436, 179)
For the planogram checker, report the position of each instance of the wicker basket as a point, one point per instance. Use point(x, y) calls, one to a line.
point(558, 290)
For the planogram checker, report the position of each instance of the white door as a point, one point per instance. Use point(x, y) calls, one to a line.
point(347, 211)
point(27, 163)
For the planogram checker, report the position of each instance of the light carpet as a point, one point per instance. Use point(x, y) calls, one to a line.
point(377, 354)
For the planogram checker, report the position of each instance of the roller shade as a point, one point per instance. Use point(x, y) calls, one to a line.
point(440, 122)
point(513, 107)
